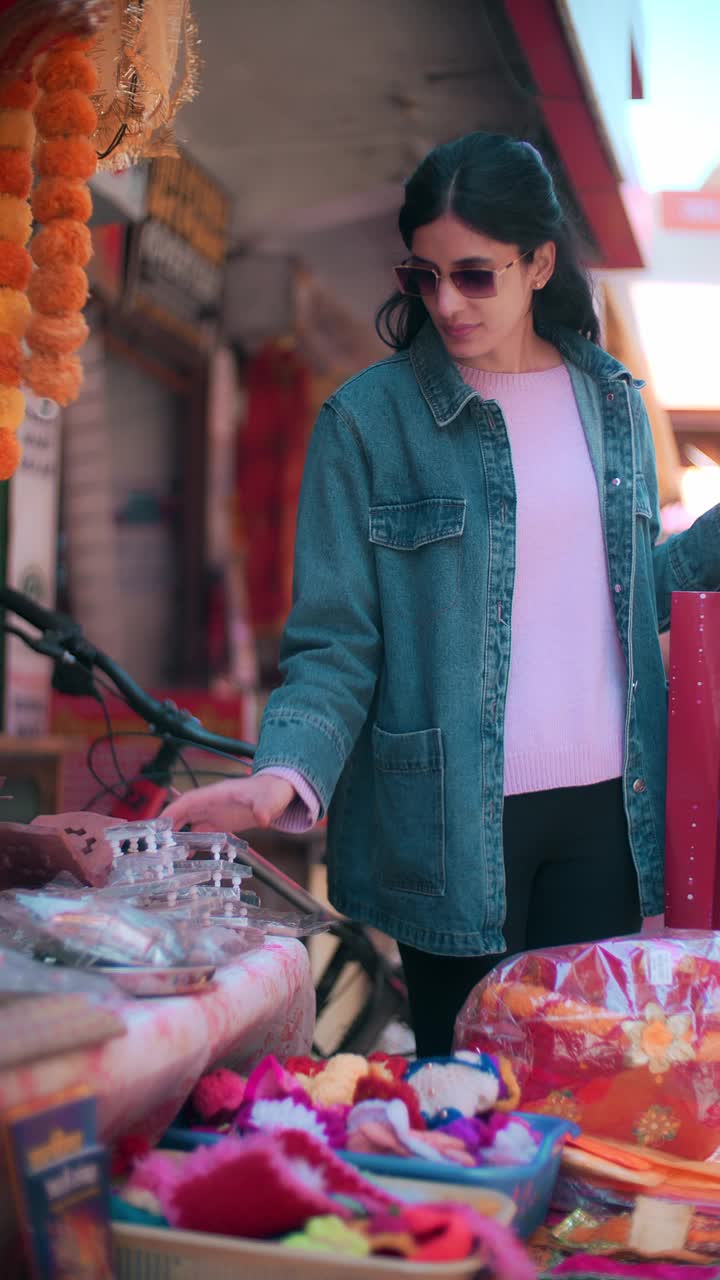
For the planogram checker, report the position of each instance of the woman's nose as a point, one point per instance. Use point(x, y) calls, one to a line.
point(449, 300)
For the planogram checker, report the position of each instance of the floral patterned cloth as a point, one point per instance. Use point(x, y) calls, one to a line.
point(622, 1037)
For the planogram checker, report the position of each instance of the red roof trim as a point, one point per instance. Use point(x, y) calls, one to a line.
point(570, 122)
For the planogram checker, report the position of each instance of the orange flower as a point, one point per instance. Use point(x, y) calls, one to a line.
point(12, 408)
point(658, 1041)
point(65, 111)
point(15, 172)
point(72, 157)
point(54, 290)
point(64, 240)
point(14, 312)
point(57, 378)
point(15, 219)
point(10, 360)
point(656, 1125)
point(15, 265)
point(10, 454)
point(560, 1102)
point(57, 335)
point(61, 198)
point(67, 70)
point(18, 95)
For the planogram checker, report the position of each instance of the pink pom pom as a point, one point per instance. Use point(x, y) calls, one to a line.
point(218, 1094)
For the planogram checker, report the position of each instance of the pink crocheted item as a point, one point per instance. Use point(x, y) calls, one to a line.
point(261, 1186)
point(218, 1095)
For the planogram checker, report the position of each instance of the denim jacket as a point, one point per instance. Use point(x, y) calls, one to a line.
point(397, 650)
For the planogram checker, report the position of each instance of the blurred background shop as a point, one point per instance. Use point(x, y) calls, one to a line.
point(234, 286)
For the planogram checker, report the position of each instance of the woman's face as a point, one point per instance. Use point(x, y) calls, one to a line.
point(474, 328)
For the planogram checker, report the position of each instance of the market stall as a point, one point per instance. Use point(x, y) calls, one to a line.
point(263, 1004)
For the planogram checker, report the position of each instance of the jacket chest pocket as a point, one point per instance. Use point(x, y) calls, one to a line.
point(419, 554)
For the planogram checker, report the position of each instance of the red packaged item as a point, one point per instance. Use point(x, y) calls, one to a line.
point(622, 1037)
point(692, 847)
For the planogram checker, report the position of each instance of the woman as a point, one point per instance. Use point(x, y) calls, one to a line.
point(473, 678)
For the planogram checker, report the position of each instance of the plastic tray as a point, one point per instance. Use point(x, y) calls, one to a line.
point(529, 1186)
point(154, 1253)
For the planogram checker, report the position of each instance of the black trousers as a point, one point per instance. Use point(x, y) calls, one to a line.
point(570, 878)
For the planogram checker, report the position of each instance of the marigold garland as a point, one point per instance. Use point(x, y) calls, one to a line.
point(58, 289)
point(15, 219)
point(63, 241)
point(10, 360)
point(57, 335)
point(44, 305)
point(61, 198)
point(64, 159)
point(17, 97)
point(15, 265)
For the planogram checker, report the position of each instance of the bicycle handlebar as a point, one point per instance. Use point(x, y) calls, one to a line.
point(169, 720)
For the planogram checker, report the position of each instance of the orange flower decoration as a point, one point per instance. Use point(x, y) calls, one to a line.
point(53, 291)
point(10, 360)
point(64, 241)
point(57, 335)
point(15, 266)
point(66, 111)
point(10, 454)
point(16, 135)
point(65, 158)
point(657, 1041)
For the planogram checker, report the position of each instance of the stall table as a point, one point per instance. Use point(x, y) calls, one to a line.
point(264, 1004)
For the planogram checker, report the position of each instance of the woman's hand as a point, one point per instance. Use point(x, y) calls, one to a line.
point(236, 804)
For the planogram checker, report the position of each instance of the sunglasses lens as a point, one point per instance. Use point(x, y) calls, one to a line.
point(475, 282)
point(417, 281)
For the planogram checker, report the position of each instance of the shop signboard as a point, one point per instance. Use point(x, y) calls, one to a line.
point(178, 255)
point(690, 210)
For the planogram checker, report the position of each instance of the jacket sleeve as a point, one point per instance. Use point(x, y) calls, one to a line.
point(331, 649)
point(687, 561)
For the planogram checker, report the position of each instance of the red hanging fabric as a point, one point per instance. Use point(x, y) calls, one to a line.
point(271, 455)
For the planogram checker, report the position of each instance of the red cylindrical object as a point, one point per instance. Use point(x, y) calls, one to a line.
point(692, 846)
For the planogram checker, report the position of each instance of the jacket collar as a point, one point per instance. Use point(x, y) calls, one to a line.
point(446, 394)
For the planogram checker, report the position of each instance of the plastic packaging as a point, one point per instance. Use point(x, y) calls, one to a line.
point(21, 975)
point(622, 1036)
point(88, 929)
point(217, 946)
point(277, 924)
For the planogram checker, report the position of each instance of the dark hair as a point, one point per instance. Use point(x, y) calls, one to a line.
point(502, 188)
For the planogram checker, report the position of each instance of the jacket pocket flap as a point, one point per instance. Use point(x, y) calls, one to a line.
point(407, 752)
point(409, 525)
point(642, 497)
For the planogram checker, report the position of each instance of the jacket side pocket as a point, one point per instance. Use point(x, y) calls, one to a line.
point(409, 825)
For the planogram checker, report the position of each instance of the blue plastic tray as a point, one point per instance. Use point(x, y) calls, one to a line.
point(530, 1186)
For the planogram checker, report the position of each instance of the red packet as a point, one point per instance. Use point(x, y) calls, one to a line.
point(692, 847)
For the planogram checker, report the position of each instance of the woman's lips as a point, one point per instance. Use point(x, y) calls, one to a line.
point(459, 330)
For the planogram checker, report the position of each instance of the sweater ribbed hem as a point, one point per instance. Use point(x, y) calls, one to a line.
point(577, 766)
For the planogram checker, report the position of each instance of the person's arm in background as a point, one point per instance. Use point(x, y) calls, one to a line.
point(331, 648)
point(687, 561)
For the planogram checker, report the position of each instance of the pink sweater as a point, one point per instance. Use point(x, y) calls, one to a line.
point(565, 710)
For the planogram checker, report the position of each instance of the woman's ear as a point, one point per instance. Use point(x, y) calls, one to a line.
point(543, 264)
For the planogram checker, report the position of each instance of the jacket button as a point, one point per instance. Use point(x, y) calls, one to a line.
point(639, 785)
point(616, 482)
point(611, 396)
point(618, 588)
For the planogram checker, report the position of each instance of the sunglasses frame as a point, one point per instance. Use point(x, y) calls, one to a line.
point(495, 272)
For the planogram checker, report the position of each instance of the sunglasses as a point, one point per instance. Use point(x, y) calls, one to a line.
point(471, 282)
